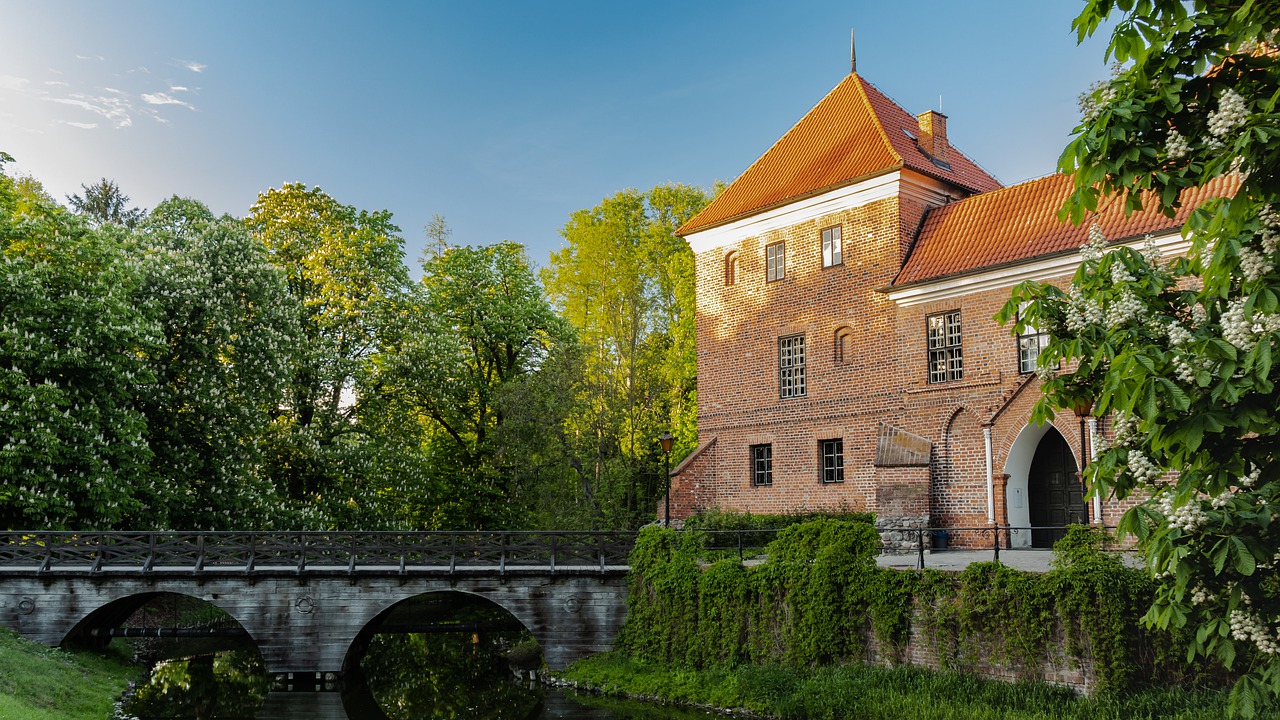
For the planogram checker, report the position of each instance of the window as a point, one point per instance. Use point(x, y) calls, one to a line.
point(832, 253)
point(946, 361)
point(832, 461)
point(1031, 342)
point(761, 465)
point(791, 366)
point(731, 268)
point(775, 262)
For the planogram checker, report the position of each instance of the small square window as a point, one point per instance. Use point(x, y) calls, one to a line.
point(762, 465)
point(832, 460)
point(775, 259)
point(832, 251)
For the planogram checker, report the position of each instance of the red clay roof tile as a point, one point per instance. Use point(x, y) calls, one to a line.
point(854, 132)
point(1021, 222)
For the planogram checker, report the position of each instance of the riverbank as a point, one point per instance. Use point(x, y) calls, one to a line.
point(891, 693)
point(42, 683)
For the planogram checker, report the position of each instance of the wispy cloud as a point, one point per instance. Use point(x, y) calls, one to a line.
point(114, 109)
point(178, 88)
point(82, 126)
point(165, 99)
point(57, 83)
point(12, 82)
point(90, 57)
point(195, 66)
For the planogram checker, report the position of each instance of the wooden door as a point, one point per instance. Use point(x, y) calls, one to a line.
point(1055, 495)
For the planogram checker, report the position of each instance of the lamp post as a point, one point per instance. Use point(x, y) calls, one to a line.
point(667, 440)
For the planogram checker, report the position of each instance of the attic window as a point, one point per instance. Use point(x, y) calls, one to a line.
point(908, 133)
point(940, 163)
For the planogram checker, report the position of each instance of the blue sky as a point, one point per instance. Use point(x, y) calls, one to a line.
point(502, 117)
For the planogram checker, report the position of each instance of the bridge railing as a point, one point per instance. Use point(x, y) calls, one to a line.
point(496, 552)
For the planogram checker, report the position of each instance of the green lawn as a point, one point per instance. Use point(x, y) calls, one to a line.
point(41, 683)
point(878, 693)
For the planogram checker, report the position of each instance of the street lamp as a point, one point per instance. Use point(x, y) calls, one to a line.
point(667, 440)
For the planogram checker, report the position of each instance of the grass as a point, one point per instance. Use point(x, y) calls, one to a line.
point(42, 683)
point(878, 693)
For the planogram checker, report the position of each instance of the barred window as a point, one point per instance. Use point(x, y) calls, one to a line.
point(762, 465)
point(832, 461)
point(946, 359)
point(775, 260)
point(791, 366)
point(832, 252)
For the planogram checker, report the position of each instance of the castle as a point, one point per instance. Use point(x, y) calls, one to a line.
point(848, 358)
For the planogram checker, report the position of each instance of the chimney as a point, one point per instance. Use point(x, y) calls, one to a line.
point(933, 134)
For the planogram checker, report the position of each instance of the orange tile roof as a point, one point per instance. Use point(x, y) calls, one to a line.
point(1021, 222)
point(854, 132)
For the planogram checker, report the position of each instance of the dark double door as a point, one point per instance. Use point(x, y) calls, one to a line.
point(1055, 494)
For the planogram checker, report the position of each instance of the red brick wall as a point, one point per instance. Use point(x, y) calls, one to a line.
point(882, 379)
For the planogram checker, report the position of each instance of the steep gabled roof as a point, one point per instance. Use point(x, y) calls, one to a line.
point(1021, 222)
point(854, 132)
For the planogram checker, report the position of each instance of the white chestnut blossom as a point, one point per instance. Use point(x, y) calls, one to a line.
point(1141, 467)
point(1232, 112)
point(1176, 146)
point(1188, 517)
point(1242, 331)
point(1254, 264)
point(1249, 627)
point(1096, 247)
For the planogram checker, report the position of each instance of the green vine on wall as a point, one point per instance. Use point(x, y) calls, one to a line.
point(819, 599)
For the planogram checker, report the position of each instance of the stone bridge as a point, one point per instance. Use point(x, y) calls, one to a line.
point(311, 601)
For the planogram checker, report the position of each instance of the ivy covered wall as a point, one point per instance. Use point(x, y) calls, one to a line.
point(820, 599)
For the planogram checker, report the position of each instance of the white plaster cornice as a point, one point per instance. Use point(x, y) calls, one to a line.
point(890, 184)
point(1043, 268)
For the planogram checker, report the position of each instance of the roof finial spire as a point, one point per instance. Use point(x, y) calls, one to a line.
point(853, 55)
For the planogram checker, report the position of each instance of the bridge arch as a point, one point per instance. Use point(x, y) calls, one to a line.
point(401, 612)
point(113, 612)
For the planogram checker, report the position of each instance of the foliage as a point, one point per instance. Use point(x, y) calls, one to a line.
point(103, 203)
point(74, 348)
point(624, 281)
point(475, 329)
point(820, 600)
point(1182, 352)
point(344, 267)
point(229, 328)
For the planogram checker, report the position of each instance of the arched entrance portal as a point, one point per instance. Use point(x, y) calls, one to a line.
point(1044, 487)
point(1055, 496)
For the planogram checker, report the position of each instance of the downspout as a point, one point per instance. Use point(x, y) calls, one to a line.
point(991, 486)
point(1093, 455)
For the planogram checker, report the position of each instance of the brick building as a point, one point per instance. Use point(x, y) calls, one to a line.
point(847, 355)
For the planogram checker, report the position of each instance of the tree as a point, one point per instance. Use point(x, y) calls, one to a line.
point(475, 327)
point(229, 328)
point(104, 204)
point(625, 282)
point(1182, 352)
point(74, 349)
point(345, 269)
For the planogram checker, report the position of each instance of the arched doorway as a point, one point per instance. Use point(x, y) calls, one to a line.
point(1055, 495)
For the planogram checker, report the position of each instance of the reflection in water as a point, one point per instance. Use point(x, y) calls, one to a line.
point(230, 684)
point(405, 677)
point(446, 675)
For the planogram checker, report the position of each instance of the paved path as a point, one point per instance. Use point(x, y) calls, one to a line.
point(1030, 560)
